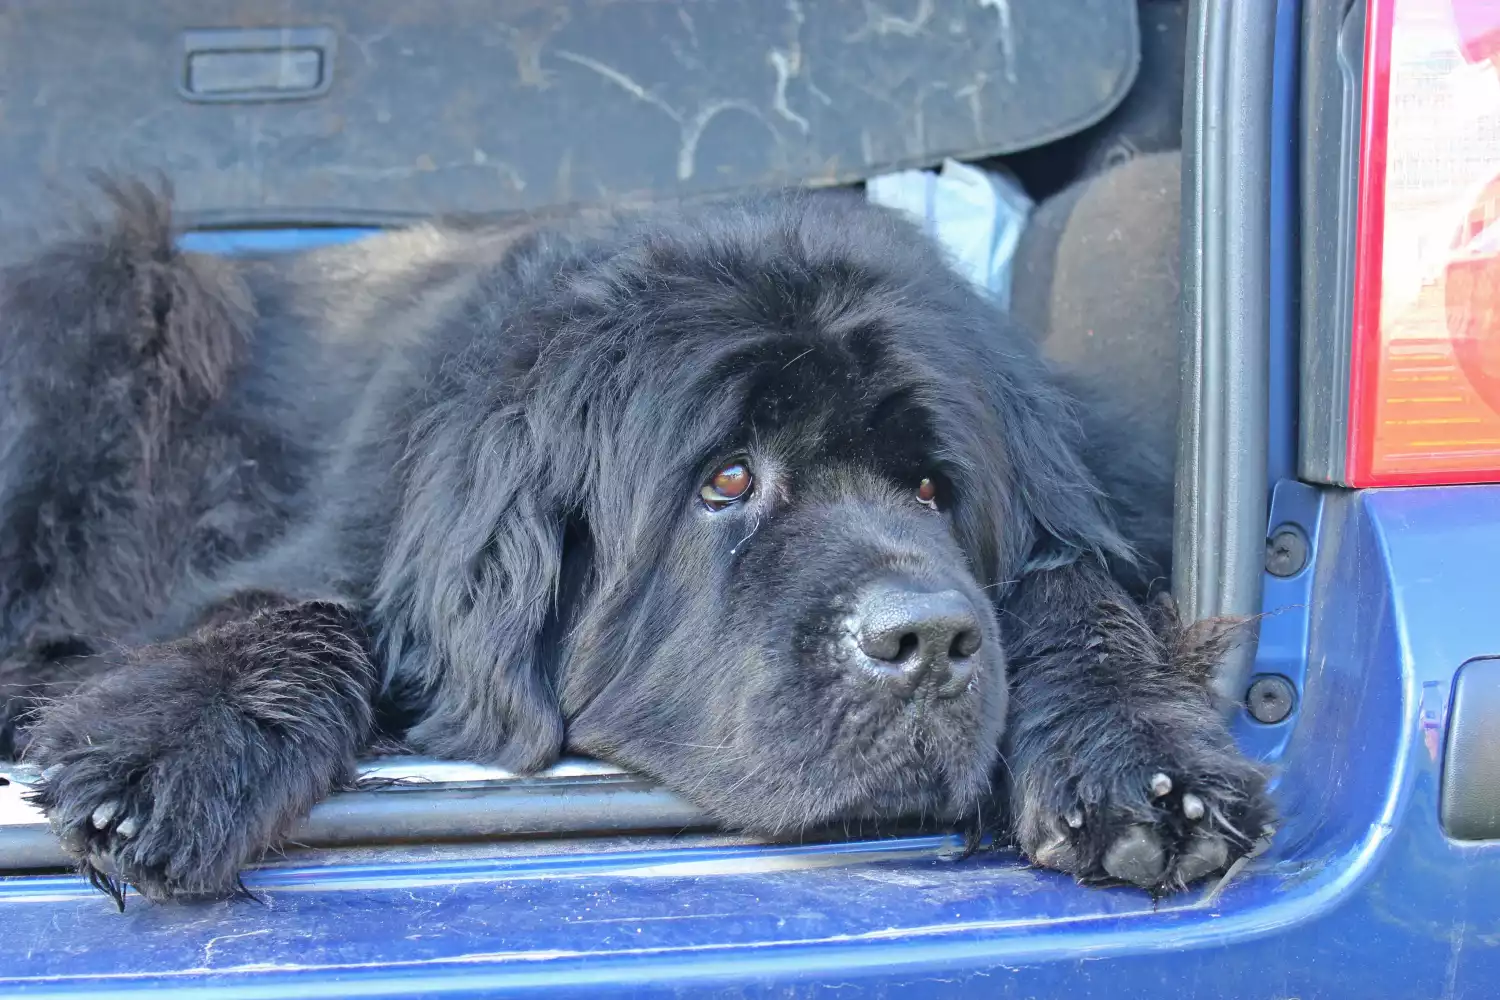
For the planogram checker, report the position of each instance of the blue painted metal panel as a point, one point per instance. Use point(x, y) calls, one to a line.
point(1362, 896)
point(231, 241)
point(1286, 609)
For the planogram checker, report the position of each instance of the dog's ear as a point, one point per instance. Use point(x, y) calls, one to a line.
point(1033, 503)
point(468, 583)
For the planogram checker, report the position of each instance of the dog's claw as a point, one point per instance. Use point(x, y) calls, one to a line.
point(1137, 857)
point(1074, 819)
point(104, 814)
point(1192, 806)
point(1161, 785)
point(127, 828)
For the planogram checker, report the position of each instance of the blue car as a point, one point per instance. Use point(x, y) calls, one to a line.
point(1338, 441)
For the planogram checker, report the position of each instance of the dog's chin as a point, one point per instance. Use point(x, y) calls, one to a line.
point(868, 808)
point(928, 780)
point(901, 806)
point(806, 758)
point(931, 761)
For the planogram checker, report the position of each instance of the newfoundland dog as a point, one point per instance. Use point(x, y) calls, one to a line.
point(759, 499)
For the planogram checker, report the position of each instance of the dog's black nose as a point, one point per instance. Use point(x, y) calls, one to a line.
point(915, 638)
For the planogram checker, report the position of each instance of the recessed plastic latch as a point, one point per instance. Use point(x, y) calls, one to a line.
point(256, 64)
point(1471, 760)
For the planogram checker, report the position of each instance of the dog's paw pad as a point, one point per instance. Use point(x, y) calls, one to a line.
point(1056, 853)
point(1204, 856)
point(1137, 856)
point(1158, 828)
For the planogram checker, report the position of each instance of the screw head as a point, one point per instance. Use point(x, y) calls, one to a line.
point(1286, 551)
point(1270, 699)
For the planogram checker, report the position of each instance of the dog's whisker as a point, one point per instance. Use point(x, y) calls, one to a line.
point(754, 527)
point(797, 359)
point(694, 746)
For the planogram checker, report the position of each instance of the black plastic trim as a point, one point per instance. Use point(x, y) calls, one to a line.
point(243, 65)
point(431, 108)
point(1333, 55)
point(1219, 544)
point(1470, 803)
point(418, 800)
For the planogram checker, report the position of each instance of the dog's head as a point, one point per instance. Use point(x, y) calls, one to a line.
point(730, 500)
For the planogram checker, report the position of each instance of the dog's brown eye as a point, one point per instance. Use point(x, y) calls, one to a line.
point(727, 485)
point(927, 493)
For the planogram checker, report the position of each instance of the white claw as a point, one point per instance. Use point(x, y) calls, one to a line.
point(104, 814)
point(127, 828)
point(1160, 785)
point(1074, 819)
point(1192, 806)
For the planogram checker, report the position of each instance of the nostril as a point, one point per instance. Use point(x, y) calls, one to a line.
point(907, 647)
point(965, 644)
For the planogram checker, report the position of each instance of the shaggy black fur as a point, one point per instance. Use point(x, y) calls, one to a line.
point(452, 475)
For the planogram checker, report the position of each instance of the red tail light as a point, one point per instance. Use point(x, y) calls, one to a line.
point(1425, 392)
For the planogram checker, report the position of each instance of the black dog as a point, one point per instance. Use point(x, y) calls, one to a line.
point(759, 499)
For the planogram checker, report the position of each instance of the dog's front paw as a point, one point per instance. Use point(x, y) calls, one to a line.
point(124, 820)
point(152, 778)
point(1158, 812)
point(139, 796)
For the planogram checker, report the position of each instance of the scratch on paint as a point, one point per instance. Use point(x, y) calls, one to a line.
point(690, 129)
point(788, 64)
point(1007, 36)
point(208, 948)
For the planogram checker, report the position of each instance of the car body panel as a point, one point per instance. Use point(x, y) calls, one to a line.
point(1362, 894)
